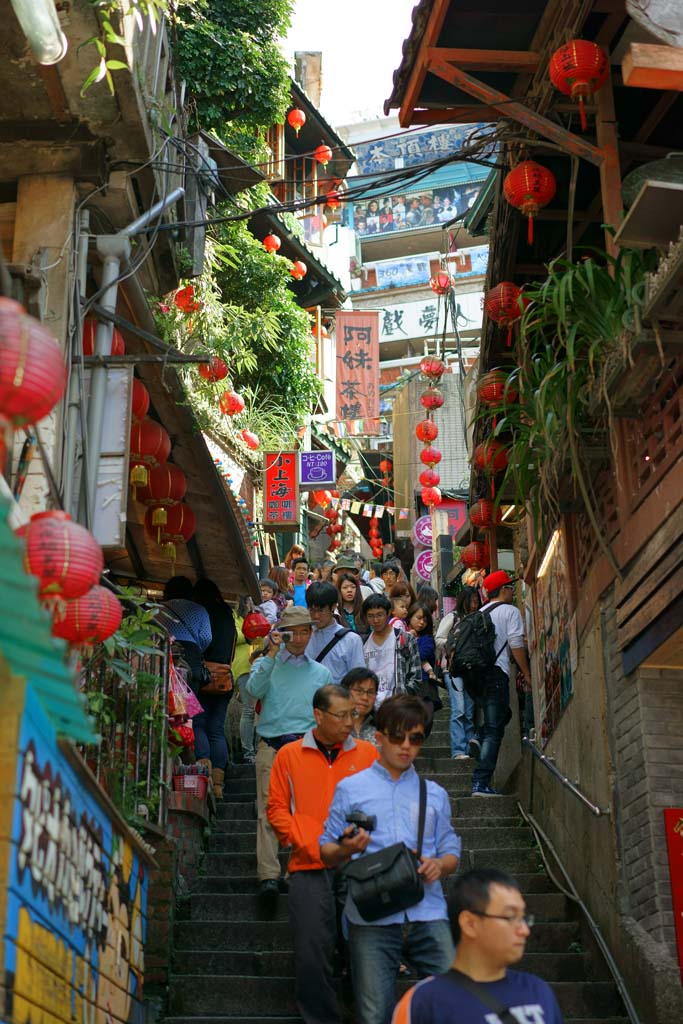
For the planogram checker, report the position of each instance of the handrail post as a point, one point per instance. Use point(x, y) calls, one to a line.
point(597, 811)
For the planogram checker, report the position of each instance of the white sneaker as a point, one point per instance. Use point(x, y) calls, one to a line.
point(461, 757)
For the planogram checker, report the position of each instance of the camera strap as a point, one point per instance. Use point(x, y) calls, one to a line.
point(422, 816)
point(477, 989)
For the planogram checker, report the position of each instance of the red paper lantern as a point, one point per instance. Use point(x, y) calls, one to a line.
point(491, 388)
point(298, 270)
point(323, 154)
point(322, 498)
point(432, 398)
point(255, 625)
point(430, 456)
point(578, 69)
point(271, 243)
point(426, 430)
point(296, 119)
point(166, 486)
point(334, 494)
point(333, 200)
point(386, 466)
point(431, 496)
point(118, 347)
point(32, 368)
point(185, 301)
point(64, 556)
point(491, 455)
point(89, 619)
point(429, 478)
point(432, 367)
point(475, 555)
point(334, 545)
point(213, 371)
point(150, 445)
point(337, 528)
point(250, 439)
point(180, 526)
point(482, 514)
point(140, 400)
point(331, 514)
point(504, 305)
point(324, 333)
point(230, 403)
point(329, 531)
point(528, 187)
point(440, 283)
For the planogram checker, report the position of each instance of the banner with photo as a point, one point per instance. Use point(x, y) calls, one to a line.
point(403, 211)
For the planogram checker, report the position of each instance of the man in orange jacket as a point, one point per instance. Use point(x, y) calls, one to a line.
point(302, 784)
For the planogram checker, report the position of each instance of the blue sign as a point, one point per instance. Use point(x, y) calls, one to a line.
point(317, 469)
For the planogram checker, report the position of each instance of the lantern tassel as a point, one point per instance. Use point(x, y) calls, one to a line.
point(509, 337)
point(530, 230)
point(582, 114)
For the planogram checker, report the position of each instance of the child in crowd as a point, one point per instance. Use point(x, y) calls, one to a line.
point(268, 606)
point(399, 609)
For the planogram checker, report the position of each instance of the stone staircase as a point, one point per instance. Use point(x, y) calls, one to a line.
point(233, 959)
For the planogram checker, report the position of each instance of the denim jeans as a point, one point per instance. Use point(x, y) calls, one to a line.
point(209, 729)
point(247, 738)
point(376, 955)
point(495, 705)
point(462, 715)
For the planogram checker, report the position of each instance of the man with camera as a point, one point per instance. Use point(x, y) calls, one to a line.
point(285, 681)
point(302, 783)
point(410, 849)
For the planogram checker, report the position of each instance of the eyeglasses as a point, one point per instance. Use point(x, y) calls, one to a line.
point(342, 716)
point(515, 919)
point(370, 692)
point(416, 739)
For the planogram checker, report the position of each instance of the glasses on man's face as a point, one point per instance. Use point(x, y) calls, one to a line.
point(357, 692)
point(416, 739)
point(299, 634)
point(342, 716)
point(514, 919)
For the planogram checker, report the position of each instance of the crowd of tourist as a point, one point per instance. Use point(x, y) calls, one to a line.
point(336, 703)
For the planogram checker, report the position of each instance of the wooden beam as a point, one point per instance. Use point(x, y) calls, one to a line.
point(646, 66)
point(487, 60)
point(507, 107)
point(419, 71)
point(610, 168)
point(469, 113)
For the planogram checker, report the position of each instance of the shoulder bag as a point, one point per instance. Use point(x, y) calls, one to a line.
point(387, 882)
point(216, 676)
point(476, 989)
point(339, 635)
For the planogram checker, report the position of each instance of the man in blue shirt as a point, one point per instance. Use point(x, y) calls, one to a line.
point(285, 681)
point(342, 649)
point(299, 581)
point(490, 928)
point(390, 791)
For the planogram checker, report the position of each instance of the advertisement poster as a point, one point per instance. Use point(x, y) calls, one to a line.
point(406, 211)
point(399, 273)
point(554, 624)
point(316, 469)
point(357, 338)
point(281, 490)
point(76, 899)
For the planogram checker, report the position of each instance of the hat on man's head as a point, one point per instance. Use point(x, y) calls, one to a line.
point(347, 562)
point(497, 579)
point(294, 616)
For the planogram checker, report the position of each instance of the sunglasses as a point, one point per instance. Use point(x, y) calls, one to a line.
point(416, 739)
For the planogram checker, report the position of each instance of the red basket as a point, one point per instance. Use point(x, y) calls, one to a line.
point(195, 784)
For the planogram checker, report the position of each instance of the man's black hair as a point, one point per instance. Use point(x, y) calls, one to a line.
point(401, 714)
point(322, 698)
point(297, 561)
point(493, 594)
point(472, 891)
point(321, 595)
point(393, 566)
point(376, 601)
point(359, 675)
point(178, 586)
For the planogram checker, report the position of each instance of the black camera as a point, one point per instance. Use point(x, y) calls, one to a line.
point(359, 821)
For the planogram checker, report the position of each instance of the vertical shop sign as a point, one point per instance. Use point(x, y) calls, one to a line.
point(673, 826)
point(358, 365)
point(281, 490)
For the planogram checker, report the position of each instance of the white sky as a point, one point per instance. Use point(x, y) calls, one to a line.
point(361, 44)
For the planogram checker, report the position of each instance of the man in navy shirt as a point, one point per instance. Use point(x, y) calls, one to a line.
point(490, 927)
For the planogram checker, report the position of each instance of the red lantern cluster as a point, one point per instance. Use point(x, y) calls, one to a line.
point(493, 388)
point(140, 401)
point(322, 498)
point(150, 446)
point(179, 527)
point(214, 371)
point(375, 535)
point(504, 305)
point(528, 187)
point(431, 399)
point(333, 200)
point(483, 514)
point(323, 154)
point(578, 69)
point(432, 367)
point(32, 368)
point(250, 439)
point(491, 456)
point(475, 556)
point(166, 486)
point(64, 556)
point(296, 119)
point(427, 431)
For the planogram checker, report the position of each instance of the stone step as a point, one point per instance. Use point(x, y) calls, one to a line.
point(236, 826)
point(223, 1019)
point(549, 966)
point(264, 936)
point(231, 810)
point(484, 808)
point(463, 826)
point(234, 864)
point(216, 905)
point(472, 839)
point(206, 994)
point(240, 771)
point(510, 860)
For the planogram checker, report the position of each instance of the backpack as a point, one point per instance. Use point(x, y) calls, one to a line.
point(472, 650)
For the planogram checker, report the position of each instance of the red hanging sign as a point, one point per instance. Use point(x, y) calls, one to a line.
point(673, 827)
point(281, 490)
point(358, 365)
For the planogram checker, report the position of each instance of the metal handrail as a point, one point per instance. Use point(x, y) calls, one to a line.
point(552, 768)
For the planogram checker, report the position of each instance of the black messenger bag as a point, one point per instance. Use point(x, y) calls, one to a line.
point(387, 882)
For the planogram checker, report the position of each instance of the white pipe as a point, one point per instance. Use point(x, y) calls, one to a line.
point(40, 24)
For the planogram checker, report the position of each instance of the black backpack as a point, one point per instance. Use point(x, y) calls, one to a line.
point(472, 650)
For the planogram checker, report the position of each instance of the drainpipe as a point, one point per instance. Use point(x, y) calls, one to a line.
point(40, 24)
point(75, 381)
point(114, 250)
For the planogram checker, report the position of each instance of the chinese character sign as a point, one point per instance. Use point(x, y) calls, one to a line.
point(281, 490)
point(358, 365)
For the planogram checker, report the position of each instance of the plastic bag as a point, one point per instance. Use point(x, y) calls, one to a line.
point(181, 698)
